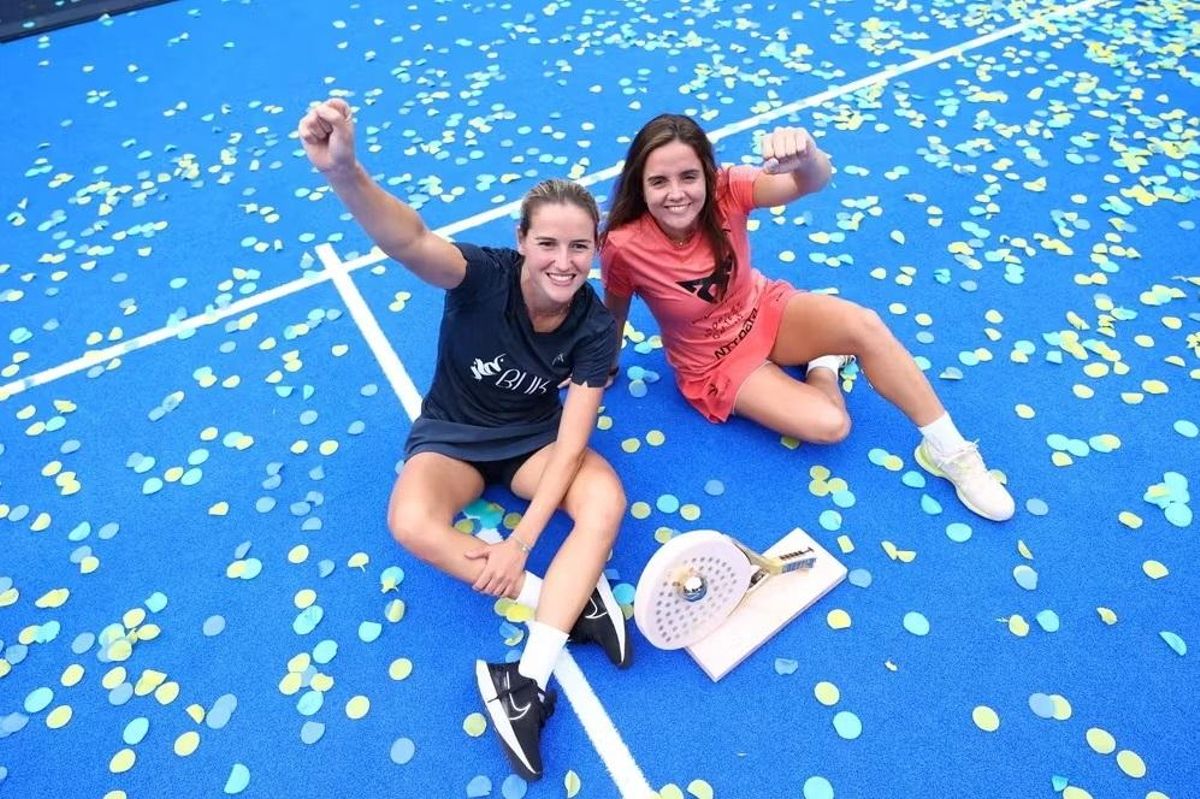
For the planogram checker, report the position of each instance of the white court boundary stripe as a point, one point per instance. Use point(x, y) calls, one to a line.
point(89, 359)
point(596, 722)
point(368, 325)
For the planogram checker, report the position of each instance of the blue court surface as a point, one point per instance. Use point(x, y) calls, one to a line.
point(207, 376)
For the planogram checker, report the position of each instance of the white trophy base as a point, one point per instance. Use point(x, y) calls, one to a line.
point(766, 609)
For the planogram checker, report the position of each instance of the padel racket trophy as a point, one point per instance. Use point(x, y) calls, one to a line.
point(718, 598)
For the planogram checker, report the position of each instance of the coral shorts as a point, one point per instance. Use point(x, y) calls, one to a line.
point(715, 391)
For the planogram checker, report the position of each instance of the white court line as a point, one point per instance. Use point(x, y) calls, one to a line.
point(92, 358)
point(596, 723)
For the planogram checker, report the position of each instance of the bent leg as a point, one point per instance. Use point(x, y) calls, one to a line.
point(817, 324)
point(811, 411)
point(431, 489)
point(595, 501)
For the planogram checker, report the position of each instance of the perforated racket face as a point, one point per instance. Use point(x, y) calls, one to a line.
point(661, 608)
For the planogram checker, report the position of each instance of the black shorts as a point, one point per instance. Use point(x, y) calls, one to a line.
point(501, 472)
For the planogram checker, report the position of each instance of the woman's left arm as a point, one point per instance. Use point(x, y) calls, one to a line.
point(574, 430)
point(793, 166)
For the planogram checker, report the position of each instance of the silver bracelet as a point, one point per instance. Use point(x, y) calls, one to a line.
point(521, 543)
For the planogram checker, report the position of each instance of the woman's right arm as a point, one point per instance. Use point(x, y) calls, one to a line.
point(618, 306)
point(327, 133)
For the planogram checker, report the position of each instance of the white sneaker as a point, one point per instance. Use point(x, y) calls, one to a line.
point(834, 362)
point(977, 488)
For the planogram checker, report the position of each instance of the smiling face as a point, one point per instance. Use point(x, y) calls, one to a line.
point(674, 188)
point(558, 246)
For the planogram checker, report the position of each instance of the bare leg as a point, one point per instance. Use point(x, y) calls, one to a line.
point(596, 504)
point(817, 324)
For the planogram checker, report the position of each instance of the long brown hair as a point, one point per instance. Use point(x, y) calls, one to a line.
point(629, 201)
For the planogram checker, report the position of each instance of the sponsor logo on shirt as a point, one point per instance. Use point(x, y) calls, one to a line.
point(508, 378)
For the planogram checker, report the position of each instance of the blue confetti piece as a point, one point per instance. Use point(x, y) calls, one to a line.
point(847, 725)
point(120, 695)
point(156, 602)
point(1026, 577)
point(213, 625)
point(221, 712)
point(667, 503)
point(513, 787)
point(325, 568)
point(830, 520)
point(264, 504)
point(714, 488)
point(38, 699)
point(958, 532)
point(817, 787)
point(325, 651)
point(242, 549)
point(1059, 784)
point(1186, 428)
point(860, 578)
point(308, 619)
point(311, 732)
point(1037, 507)
point(913, 479)
point(239, 778)
point(930, 505)
point(369, 631)
point(402, 751)
point(916, 623)
point(1048, 620)
point(624, 593)
point(1174, 641)
point(1041, 705)
point(844, 498)
point(637, 388)
point(309, 703)
point(135, 731)
point(1178, 514)
point(478, 787)
point(784, 666)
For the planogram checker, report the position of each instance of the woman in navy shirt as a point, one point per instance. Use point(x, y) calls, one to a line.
point(516, 324)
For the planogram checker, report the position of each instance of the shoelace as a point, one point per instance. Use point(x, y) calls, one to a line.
point(546, 699)
point(966, 463)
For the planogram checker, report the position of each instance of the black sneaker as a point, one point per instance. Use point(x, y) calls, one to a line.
point(518, 709)
point(603, 622)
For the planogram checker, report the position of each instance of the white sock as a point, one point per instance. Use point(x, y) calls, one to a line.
point(542, 649)
point(531, 589)
point(831, 362)
point(942, 435)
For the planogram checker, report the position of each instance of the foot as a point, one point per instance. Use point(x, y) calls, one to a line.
point(977, 488)
point(518, 709)
point(603, 622)
point(835, 363)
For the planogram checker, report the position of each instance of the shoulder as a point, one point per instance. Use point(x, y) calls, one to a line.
point(504, 257)
point(489, 269)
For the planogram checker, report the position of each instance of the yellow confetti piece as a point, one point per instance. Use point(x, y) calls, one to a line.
point(827, 693)
point(400, 668)
point(9, 597)
point(321, 682)
point(890, 666)
point(838, 619)
point(893, 463)
point(700, 789)
point(1083, 392)
point(1107, 615)
point(149, 680)
point(394, 611)
point(1101, 741)
point(572, 783)
point(167, 693)
point(5, 667)
point(89, 564)
point(465, 526)
point(663, 534)
point(655, 438)
point(122, 761)
point(299, 662)
point(291, 683)
point(113, 677)
point(1024, 550)
point(631, 445)
point(1075, 792)
point(789, 442)
point(670, 791)
point(236, 569)
point(187, 743)
point(328, 447)
point(511, 520)
point(1018, 626)
point(120, 650)
point(1062, 708)
point(1154, 387)
point(55, 598)
point(1025, 411)
point(59, 717)
point(304, 598)
point(640, 510)
point(339, 350)
point(474, 725)
point(1129, 519)
point(1061, 459)
point(1155, 570)
point(1131, 397)
point(604, 423)
point(985, 718)
point(219, 509)
point(299, 447)
point(845, 544)
point(358, 560)
point(357, 707)
point(690, 512)
point(196, 713)
point(71, 675)
point(298, 554)
point(133, 617)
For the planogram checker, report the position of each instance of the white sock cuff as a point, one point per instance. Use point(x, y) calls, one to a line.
point(541, 653)
point(531, 591)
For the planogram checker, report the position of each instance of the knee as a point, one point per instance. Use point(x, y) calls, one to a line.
point(412, 530)
point(829, 425)
point(604, 511)
point(870, 329)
